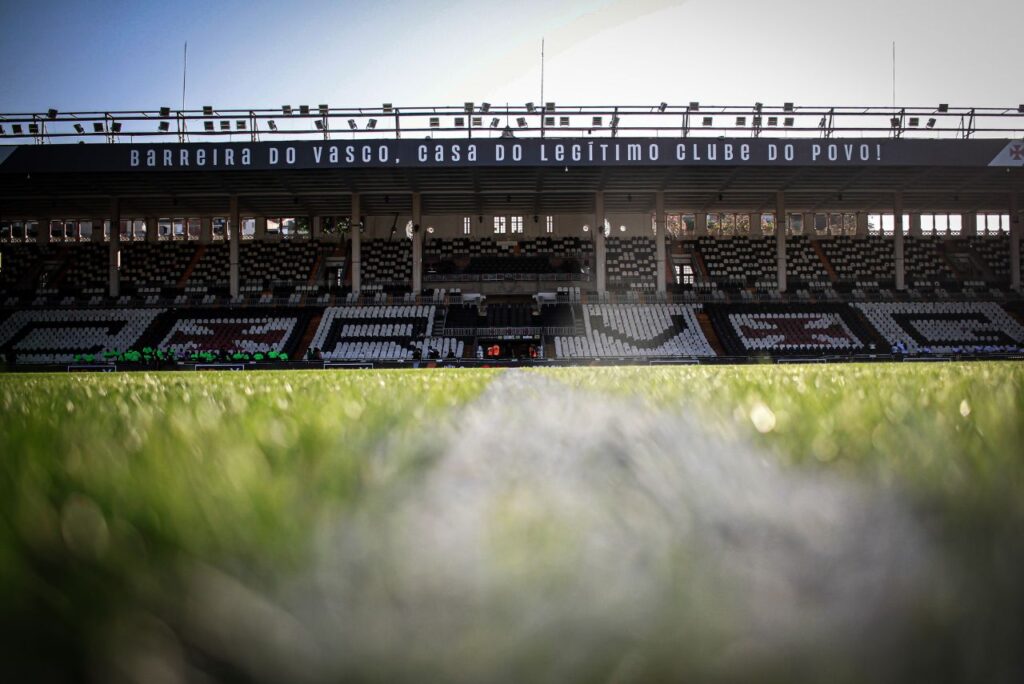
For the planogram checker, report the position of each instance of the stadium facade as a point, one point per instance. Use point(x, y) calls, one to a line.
point(556, 233)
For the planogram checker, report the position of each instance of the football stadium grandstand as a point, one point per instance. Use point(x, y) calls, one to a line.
point(511, 235)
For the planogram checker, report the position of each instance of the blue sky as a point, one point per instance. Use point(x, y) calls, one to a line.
point(109, 55)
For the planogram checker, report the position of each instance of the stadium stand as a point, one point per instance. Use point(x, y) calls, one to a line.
point(860, 259)
point(381, 332)
point(160, 265)
point(288, 262)
point(41, 336)
point(635, 330)
point(944, 327)
point(738, 261)
point(631, 264)
point(387, 263)
point(994, 251)
point(789, 329)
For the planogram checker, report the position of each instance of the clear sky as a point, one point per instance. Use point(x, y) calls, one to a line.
point(113, 54)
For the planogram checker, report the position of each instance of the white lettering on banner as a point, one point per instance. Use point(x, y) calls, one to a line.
point(272, 157)
point(200, 157)
point(135, 158)
point(350, 154)
point(499, 152)
point(318, 153)
point(229, 157)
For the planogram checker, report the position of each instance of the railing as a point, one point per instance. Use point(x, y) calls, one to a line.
point(504, 277)
point(483, 120)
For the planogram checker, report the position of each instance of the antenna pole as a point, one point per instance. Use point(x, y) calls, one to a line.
point(184, 74)
point(894, 74)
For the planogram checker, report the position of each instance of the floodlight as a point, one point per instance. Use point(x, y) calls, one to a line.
point(615, 120)
point(708, 121)
point(208, 125)
point(79, 129)
point(97, 127)
point(758, 106)
point(2, 131)
point(371, 124)
point(240, 124)
point(207, 110)
point(530, 108)
point(116, 127)
point(352, 124)
point(663, 106)
point(460, 121)
point(944, 108)
point(323, 110)
point(304, 110)
point(286, 110)
point(165, 111)
point(596, 121)
point(521, 121)
point(467, 107)
point(788, 121)
point(895, 122)
point(931, 123)
point(435, 122)
point(387, 107)
point(787, 106)
point(741, 121)
point(16, 129)
point(477, 121)
point(563, 121)
point(1020, 109)
point(51, 113)
point(773, 121)
point(694, 107)
point(164, 126)
point(485, 107)
point(225, 125)
point(272, 125)
point(319, 123)
point(914, 121)
point(549, 121)
point(494, 122)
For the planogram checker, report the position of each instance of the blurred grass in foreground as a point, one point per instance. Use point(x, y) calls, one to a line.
point(109, 482)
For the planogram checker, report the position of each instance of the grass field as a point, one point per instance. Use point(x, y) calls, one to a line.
point(838, 523)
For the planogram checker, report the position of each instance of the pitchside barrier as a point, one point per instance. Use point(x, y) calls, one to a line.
point(220, 366)
point(78, 368)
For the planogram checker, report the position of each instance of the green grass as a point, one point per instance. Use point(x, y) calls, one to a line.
point(109, 483)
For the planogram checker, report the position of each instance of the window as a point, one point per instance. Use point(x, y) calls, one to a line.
point(467, 225)
point(500, 225)
point(549, 224)
point(684, 274)
point(220, 227)
point(768, 224)
point(517, 224)
point(992, 224)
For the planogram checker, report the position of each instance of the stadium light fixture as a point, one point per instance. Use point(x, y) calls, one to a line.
point(787, 106)
point(165, 112)
point(51, 113)
point(207, 125)
point(115, 127)
point(914, 121)
point(741, 121)
point(597, 122)
point(79, 129)
point(549, 106)
point(207, 110)
point(931, 123)
point(549, 121)
point(164, 126)
point(467, 107)
point(319, 123)
point(708, 121)
point(788, 122)
point(894, 122)
point(225, 125)
point(943, 108)
point(286, 110)
point(662, 107)
point(494, 122)
point(387, 107)
point(324, 109)
point(563, 121)
point(240, 124)
point(97, 127)
point(272, 125)
point(352, 124)
point(435, 122)
point(615, 121)
point(758, 106)
point(371, 124)
point(460, 121)
point(521, 121)
point(530, 108)
point(477, 121)
point(485, 107)
point(773, 121)
point(1020, 109)
point(16, 129)
point(304, 110)
point(2, 131)
point(694, 106)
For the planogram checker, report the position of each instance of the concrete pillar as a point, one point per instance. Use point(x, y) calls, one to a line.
point(315, 228)
point(700, 224)
point(914, 229)
point(780, 240)
point(862, 224)
point(417, 243)
point(968, 224)
point(151, 229)
point(355, 258)
point(1014, 242)
point(600, 250)
point(897, 238)
point(205, 230)
point(114, 247)
point(755, 226)
point(809, 229)
point(234, 242)
point(43, 231)
point(97, 231)
point(260, 229)
point(659, 239)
